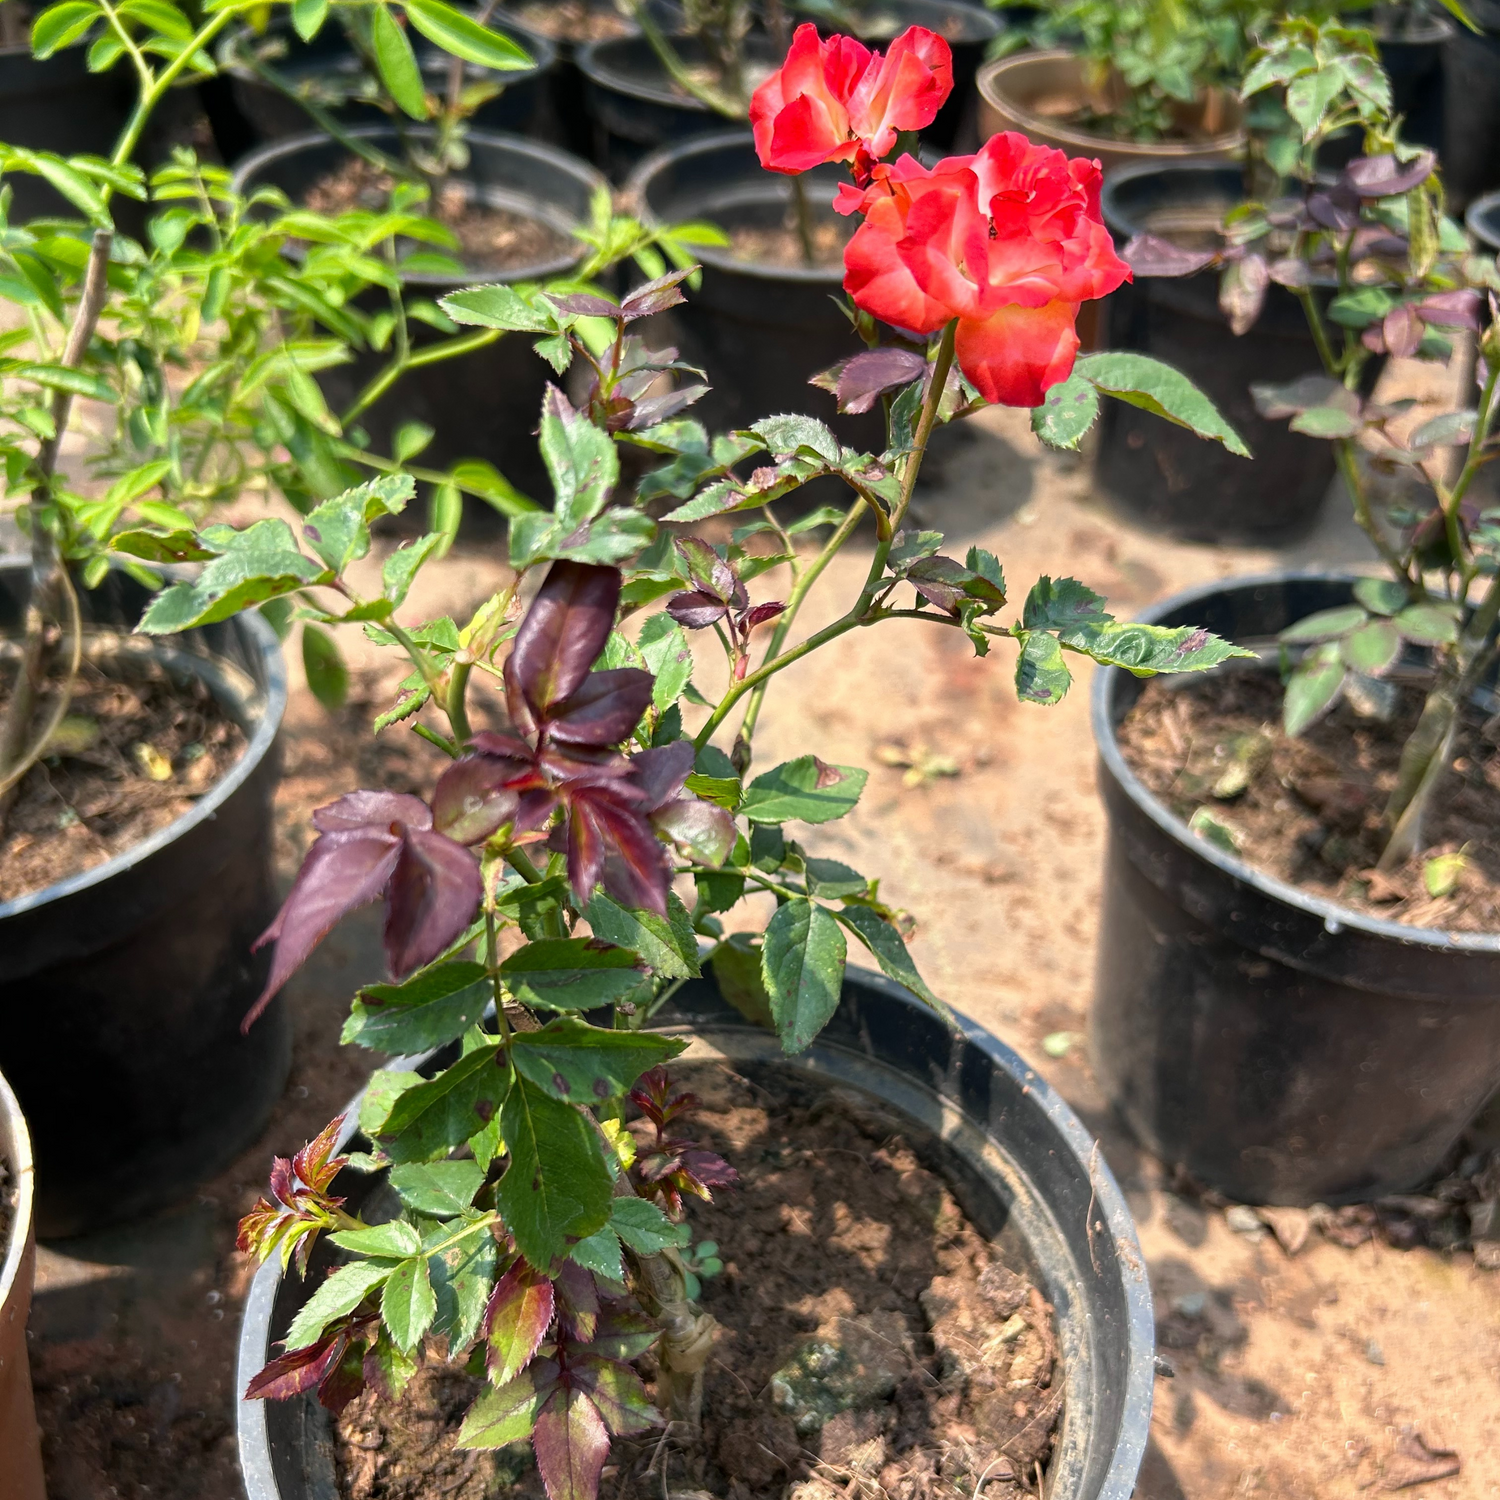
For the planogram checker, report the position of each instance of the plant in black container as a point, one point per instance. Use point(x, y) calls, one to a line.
point(135, 785)
point(528, 1239)
point(1343, 823)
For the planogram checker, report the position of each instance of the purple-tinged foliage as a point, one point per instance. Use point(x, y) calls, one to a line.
point(516, 1320)
point(371, 844)
point(673, 1165)
point(718, 599)
point(300, 1205)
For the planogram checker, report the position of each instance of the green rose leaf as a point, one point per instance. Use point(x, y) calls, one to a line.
point(462, 36)
point(669, 947)
point(440, 1189)
point(408, 1304)
point(557, 1186)
point(802, 963)
point(645, 1228)
point(584, 1064)
point(341, 1293)
point(806, 789)
point(259, 563)
point(571, 974)
point(1042, 676)
point(1312, 689)
point(502, 1416)
point(443, 1112)
point(431, 1008)
point(1158, 388)
point(889, 948)
point(1067, 413)
point(397, 63)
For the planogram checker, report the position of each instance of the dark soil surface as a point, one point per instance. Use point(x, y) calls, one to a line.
point(571, 20)
point(489, 239)
point(132, 754)
point(782, 246)
point(1308, 810)
point(837, 1235)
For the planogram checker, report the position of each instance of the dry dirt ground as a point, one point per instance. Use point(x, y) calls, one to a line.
point(1295, 1378)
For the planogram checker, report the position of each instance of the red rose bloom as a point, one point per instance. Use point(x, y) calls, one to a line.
point(1009, 242)
point(839, 101)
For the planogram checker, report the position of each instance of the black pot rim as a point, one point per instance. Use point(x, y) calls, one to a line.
point(1335, 918)
point(552, 156)
point(637, 186)
point(594, 62)
point(264, 641)
point(1480, 210)
point(1108, 1202)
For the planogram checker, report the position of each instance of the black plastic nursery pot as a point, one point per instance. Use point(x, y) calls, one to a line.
point(1471, 119)
point(329, 63)
point(635, 108)
point(123, 987)
point(1483, 221)
point(760, 331)
point(1023, 1166)
point(1280, 1047)
point(484, 404)
point(567, 114)
point(1159, 473)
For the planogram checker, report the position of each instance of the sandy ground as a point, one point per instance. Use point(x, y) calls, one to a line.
point(1294, 1377)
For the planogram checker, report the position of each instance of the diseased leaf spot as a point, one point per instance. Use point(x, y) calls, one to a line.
point(560, 1083)
point(485, 1109)
point(601, 1087)
point(1192, 643)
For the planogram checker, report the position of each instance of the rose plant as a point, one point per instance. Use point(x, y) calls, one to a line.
point(534, 912)
point(201, 342)
point(1379, 270)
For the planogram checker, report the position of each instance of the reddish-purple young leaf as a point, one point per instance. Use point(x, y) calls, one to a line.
point(571, 1444)
point(1402, 330)
point(478, 794)
point(623, 1334)
point(1373, 339)
point(760, 615)
point(365, 809)
point(563, 632)
point(315, 1164)
point(704, 829)
point(585, 304)
point(1376, 239)
point(1458, 309)
point(297, 1370)
point(343, 870)
point(618, 1393)
point(1336, 209)
point(344, 1381)
point(604, 708)
point(1384, 176)
point(610, 842)
point(516, 1320)
point(577, 1302)
point(709, 1170)
point(939, 580)
point(434, 893)
point(696, 610)
point(654, 409)
point(1289, 271)
point(1150, 255)
point(656, 296)
point(1242, 292)
point(706, 568)
point(864, 378)
point(658, 773)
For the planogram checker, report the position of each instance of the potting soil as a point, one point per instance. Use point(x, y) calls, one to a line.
point(489, 239)
point(1308, 810)
point(872, 1341)
point(135, 751)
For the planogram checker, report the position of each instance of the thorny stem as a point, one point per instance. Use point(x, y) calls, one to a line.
point(858, 613)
